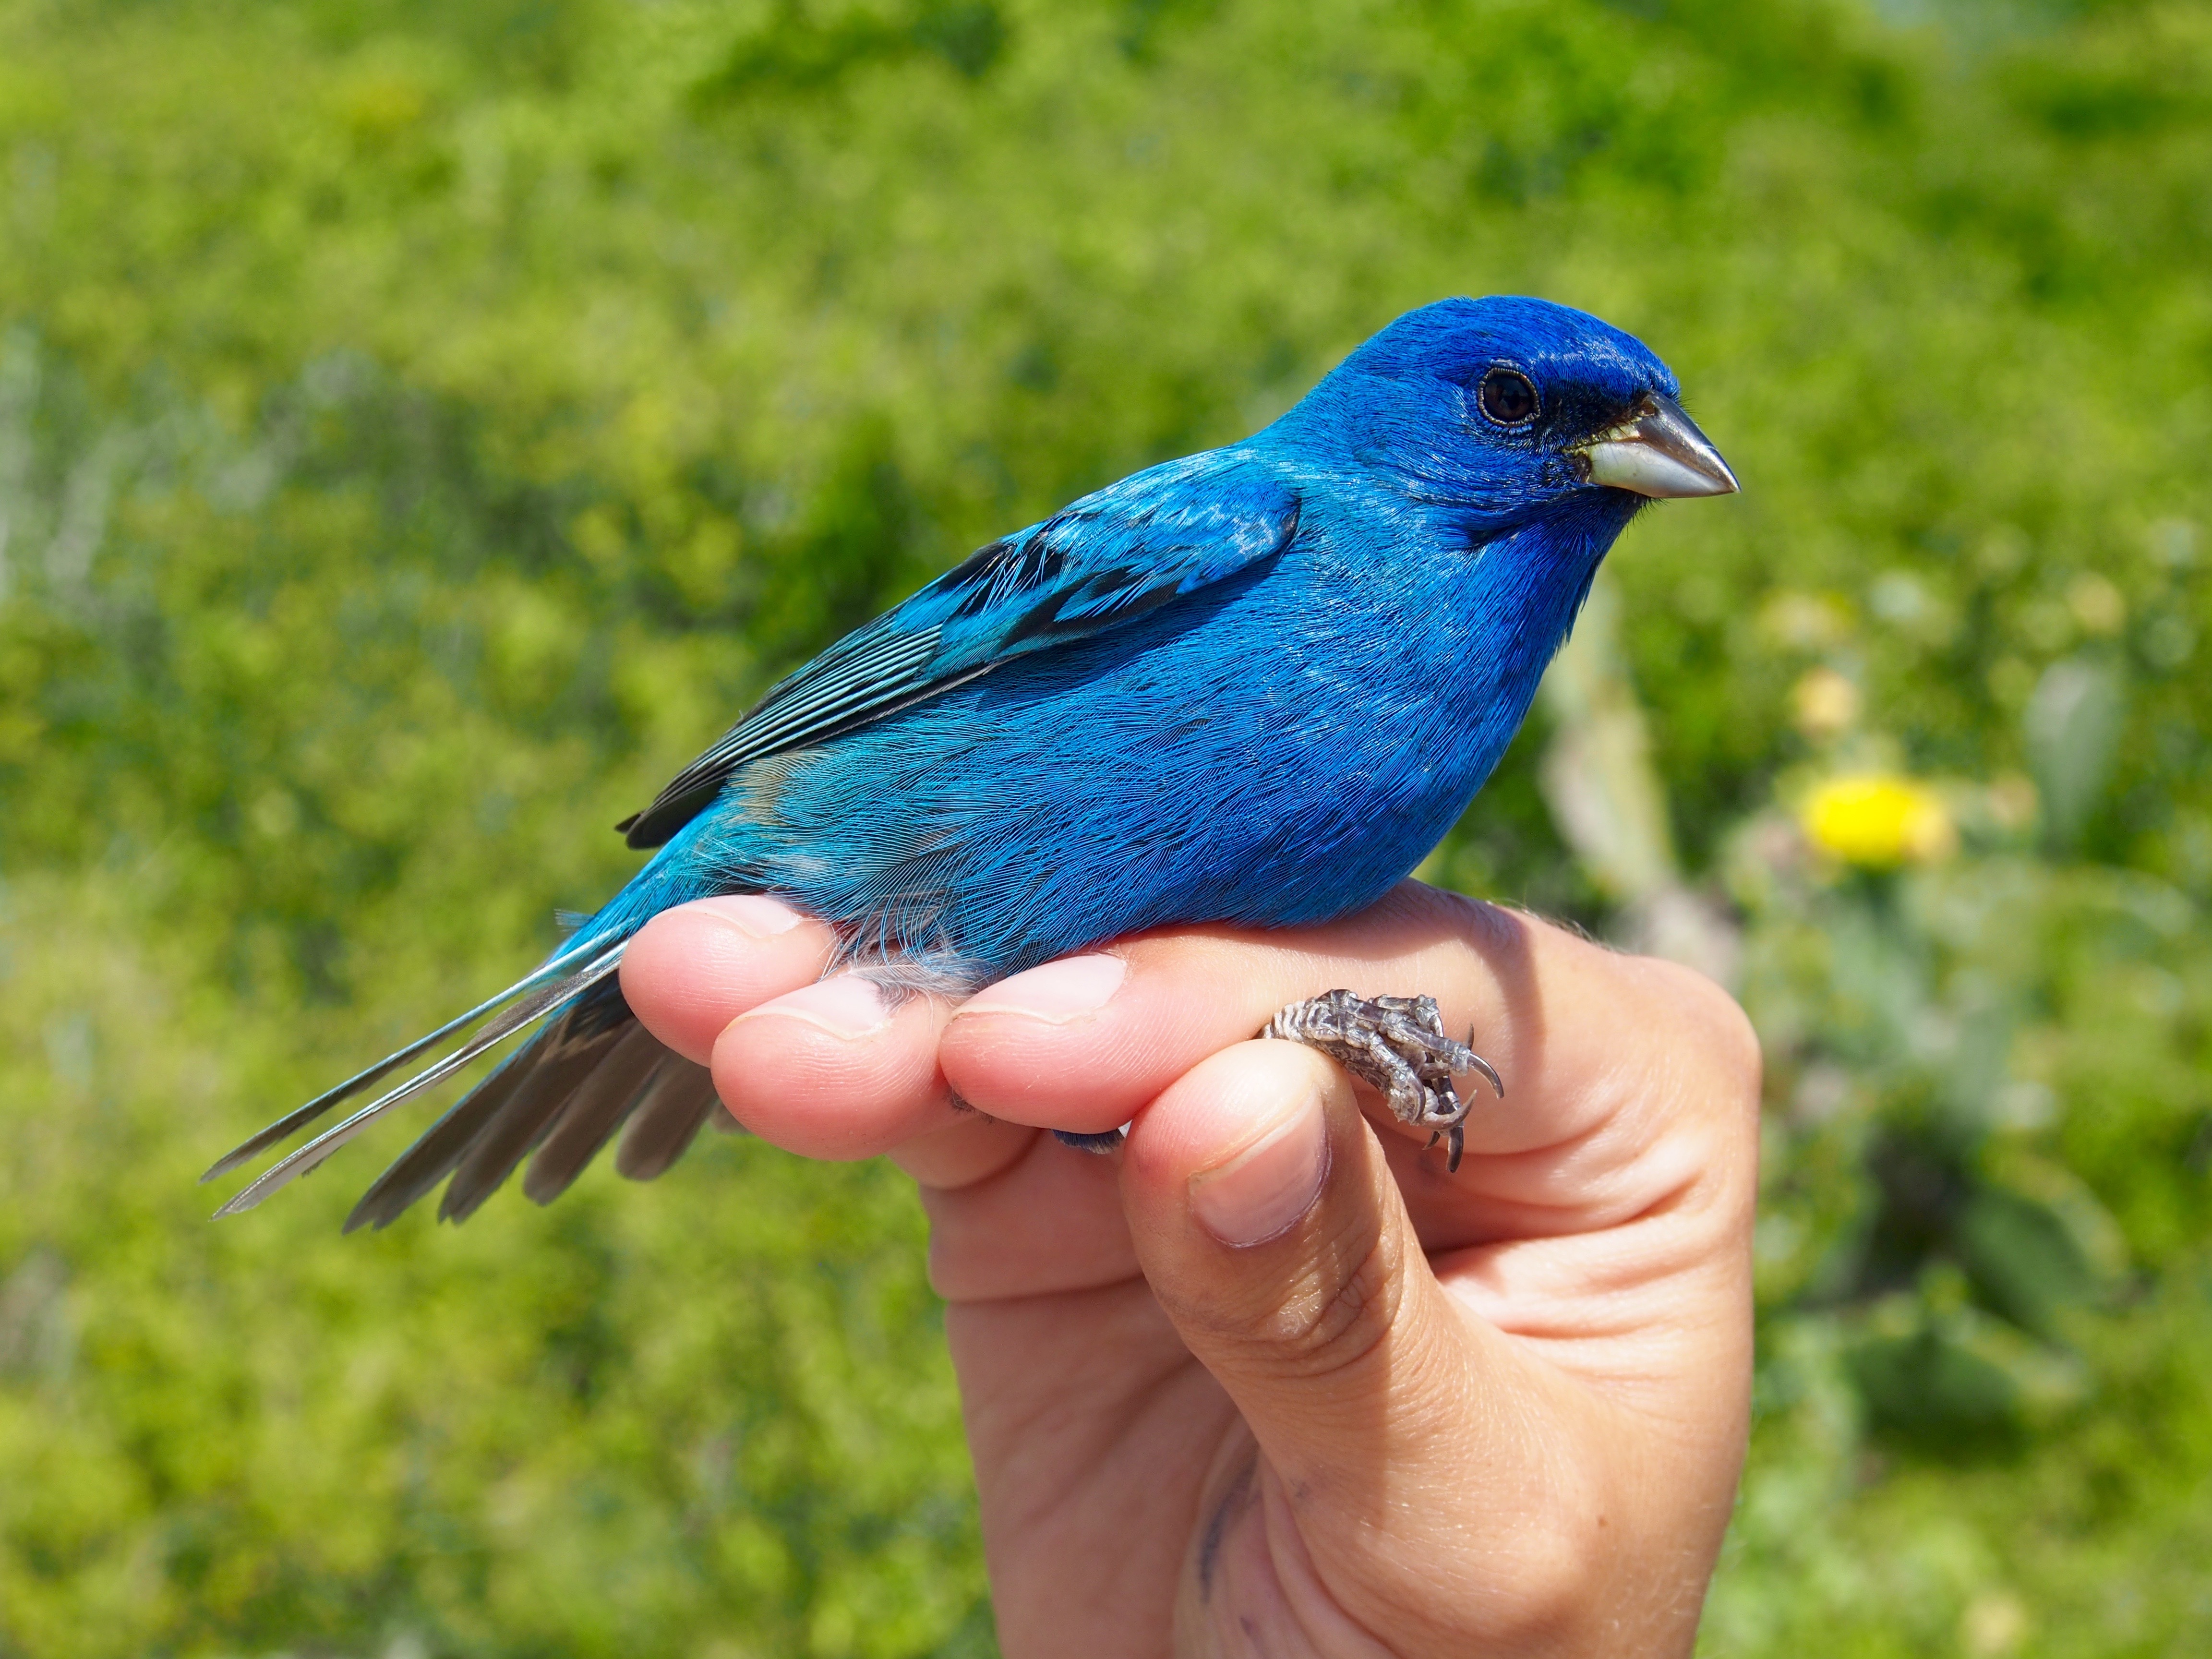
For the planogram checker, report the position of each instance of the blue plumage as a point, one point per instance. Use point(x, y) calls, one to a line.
point(1255, 685)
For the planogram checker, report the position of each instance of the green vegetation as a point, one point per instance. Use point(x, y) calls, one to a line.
point(422, 426)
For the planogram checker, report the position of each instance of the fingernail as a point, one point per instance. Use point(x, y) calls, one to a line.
point(1056, 993)
point(1263, 1190)
point(752, 913)
point(845, 1005)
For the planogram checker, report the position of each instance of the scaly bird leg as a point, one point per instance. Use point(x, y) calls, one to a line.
point(1399, 1045)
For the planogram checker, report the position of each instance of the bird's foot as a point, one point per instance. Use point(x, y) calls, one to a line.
point(1399, 1045)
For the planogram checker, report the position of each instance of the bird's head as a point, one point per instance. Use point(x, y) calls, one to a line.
point(1506, 408)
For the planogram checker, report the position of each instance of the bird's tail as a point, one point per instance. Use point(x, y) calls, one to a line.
point(562, 1095)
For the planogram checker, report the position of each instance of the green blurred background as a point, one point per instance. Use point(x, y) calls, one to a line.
point(422, 426)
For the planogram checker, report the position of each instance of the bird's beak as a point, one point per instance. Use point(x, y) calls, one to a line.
point(1657, 452)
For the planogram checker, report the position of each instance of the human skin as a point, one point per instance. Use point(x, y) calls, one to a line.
point(1269, 1380)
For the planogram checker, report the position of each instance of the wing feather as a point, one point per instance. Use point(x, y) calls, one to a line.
point(1110, 557)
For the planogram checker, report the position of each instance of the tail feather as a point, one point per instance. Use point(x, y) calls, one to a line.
point(667, 1115)
point(592, 1115)
point(292, 1122)
point(560, 1062)
point(435, 1152)
point(527, 1005)
point(593, 1071)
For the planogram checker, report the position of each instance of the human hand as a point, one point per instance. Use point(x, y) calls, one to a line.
point(1269, 1381)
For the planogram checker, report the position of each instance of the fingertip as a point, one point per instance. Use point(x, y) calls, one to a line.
point(1242, 1141)
point(968, 1151)
point(761, 916)
point(1059, 992)
point(835, 1069)
point(1013, 1048)
point(692, 969)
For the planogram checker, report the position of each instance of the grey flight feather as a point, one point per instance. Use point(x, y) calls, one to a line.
point(665, 1118)
point(559, 1062)
point(293, 1121)
point(593, 1113)
point(504, 1025)
point(439, 1148)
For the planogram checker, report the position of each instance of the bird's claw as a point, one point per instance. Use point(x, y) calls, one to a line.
point(1399, 1045)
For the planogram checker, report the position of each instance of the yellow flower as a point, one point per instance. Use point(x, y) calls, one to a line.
point(1877, 820)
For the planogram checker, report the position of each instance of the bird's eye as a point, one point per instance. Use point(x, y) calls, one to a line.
point(1507, 397)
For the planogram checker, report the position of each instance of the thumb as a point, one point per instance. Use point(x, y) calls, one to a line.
point(1273, 1233)
point(1269, 1226)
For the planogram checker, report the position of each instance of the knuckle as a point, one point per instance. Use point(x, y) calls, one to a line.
point(1560, 1561)
point(1723, 1037)
point(1339, 1310)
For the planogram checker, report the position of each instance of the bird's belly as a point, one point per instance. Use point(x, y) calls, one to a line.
point(1242, 767)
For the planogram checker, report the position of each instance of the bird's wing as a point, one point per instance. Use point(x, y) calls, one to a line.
point(1111, 556)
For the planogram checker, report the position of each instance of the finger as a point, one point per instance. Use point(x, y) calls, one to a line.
point(1568, 1023)
point(1170, 999)
point(837, 1069)
point(1047, 1223)
point(1269, 1228)
point(691, 970)
point(971, 1149)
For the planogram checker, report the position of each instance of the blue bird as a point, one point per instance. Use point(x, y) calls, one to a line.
point(1254, 686)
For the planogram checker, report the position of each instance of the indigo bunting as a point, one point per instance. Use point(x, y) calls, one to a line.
point(1253, 686)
